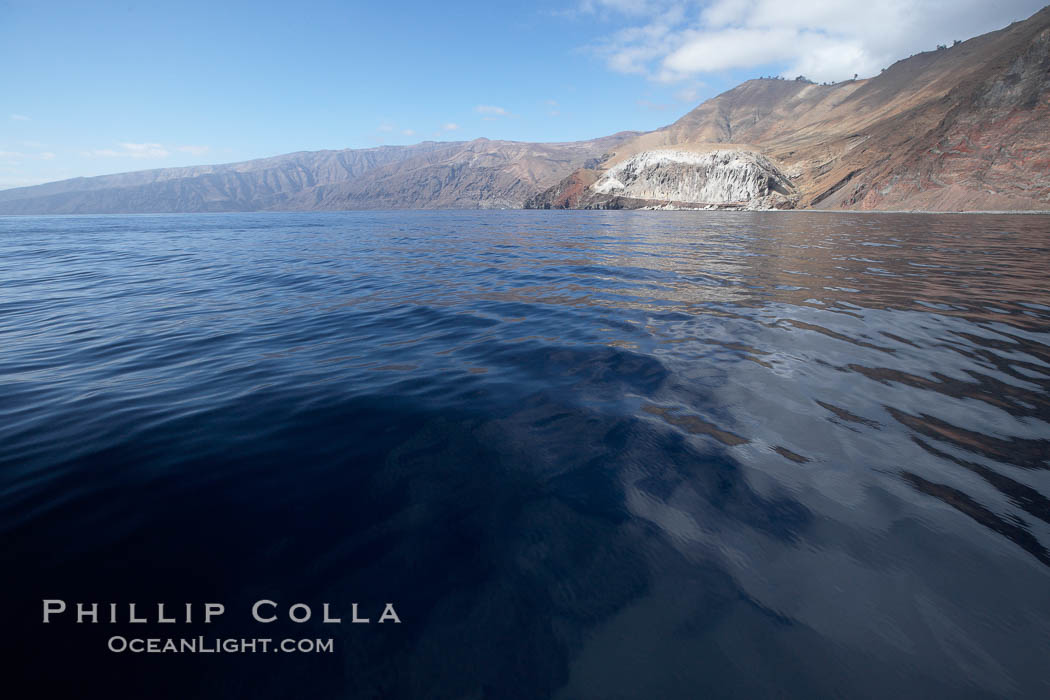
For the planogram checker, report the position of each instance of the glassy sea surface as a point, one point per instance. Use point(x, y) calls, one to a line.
point(584, 454)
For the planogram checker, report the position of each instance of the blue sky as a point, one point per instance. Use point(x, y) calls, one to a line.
point(99, 87)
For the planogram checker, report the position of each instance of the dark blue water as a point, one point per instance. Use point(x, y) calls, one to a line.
point(585, 454)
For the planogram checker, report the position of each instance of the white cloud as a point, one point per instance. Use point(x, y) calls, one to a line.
point(689, 94)
point(451, 126)
point(386, 127)
point(45, 155)
point(409, 132)
point(704, 52)
point(194, 150)
point(654, 106)
point(130, 150)
point(826, 40)
point(491, 110)
point(145, 150)
point(631, 7)
point(19, 118)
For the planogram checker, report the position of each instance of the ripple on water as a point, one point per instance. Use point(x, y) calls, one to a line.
point(589, 454)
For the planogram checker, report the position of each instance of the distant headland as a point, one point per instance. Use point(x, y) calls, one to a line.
point(960, 128)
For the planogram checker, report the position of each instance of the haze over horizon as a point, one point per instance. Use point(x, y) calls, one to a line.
point(131, 86)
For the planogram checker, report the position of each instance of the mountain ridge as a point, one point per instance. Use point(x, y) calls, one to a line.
point(960, 128)
point(503, 173)
point(966, 127)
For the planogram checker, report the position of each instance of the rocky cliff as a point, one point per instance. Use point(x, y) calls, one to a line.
point(720, 178)
point(960, 128)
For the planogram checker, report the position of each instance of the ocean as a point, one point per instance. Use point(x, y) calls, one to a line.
point(581, 454)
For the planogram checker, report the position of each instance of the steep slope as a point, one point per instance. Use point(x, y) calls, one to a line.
point(965, 128)
point(233, 187)
point(960, 128)
point(473, 174)
point(477, 174)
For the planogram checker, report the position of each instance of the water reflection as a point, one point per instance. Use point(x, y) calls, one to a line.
point(590, 454)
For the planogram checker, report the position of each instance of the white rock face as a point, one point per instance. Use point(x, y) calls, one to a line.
point(717, 177)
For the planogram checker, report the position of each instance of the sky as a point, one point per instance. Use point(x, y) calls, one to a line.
point(89, 88)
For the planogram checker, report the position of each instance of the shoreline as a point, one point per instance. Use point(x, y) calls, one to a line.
point(995, 212)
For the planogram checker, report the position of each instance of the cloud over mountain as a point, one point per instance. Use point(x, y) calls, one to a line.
point(830, 40)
